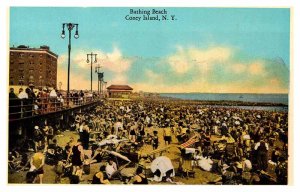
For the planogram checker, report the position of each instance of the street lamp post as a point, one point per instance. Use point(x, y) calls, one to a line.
point(60, 84)
point(97, 70)
point(70, 27)
point(100, 79)
point(91, 55)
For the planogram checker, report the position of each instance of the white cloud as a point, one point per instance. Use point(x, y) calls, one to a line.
point(202, 60)
point(257, 68)
point(154, 77)
point(113, 62)
point(215, 69)
point(237, 68)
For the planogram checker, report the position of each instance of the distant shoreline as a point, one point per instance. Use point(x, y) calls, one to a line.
point(227, 93)
point(228, 103)
point(215, 102)
point(230, 99)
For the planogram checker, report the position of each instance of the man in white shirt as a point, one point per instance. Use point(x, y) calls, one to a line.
point(111, 168)
point(118, 126)
point(260, 144)
point(247, 165)
point(22, 94)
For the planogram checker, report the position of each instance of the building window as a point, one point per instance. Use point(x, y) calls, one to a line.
point(21, 55)
point(12, 54)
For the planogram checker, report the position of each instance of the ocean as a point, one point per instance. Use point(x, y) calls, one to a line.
point(257, 98)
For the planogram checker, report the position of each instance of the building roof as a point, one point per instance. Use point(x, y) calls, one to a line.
point(119, 87)
point(43, 48)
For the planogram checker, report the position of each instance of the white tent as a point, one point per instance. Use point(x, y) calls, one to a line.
point(163, 164)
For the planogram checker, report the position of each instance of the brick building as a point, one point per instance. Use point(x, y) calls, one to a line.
point(32, 66)
point(119, 91)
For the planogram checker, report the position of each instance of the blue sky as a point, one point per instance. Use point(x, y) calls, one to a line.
point(204, 50)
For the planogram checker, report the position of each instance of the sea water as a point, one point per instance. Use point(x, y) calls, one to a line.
point(257, 98)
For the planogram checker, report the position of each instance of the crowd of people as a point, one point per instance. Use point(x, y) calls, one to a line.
point(28, 101)
point(242, 146)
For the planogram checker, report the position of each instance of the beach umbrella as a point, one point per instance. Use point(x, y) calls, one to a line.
point(111, 139)
point(116, 154)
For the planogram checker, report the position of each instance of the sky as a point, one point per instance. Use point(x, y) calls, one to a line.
point(211, 50)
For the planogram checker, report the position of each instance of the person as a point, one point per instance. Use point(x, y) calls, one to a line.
point(167, 135)
point(37, 163)
point(247, 165)
point(81, 96)
point(31, 176)
point(22, 94)
point(53, 99)
point(100, 177)
point(141, 133)
point(224, 129)
point(262, 149)
point(14, 105)
point(30, 101)
point(231, 148)
point(37, 137)
point(281, 171)
point(111, 168)
point(75, 178)
point(155, 140)
point(46, 133)
point(275, 155)
point(118, 126)
point(97, 154)
point(255, 178)
point(80, 130)
point(43, 100)
point(85, 137)
point(139, 177)
point(132, 133)
point(77, 158)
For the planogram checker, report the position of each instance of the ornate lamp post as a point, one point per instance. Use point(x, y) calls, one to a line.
point(70, 27)
point(91, 55)
point(60, 84)
point(97, 70)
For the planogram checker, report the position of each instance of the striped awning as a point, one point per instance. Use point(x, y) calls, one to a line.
point(190, 142)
